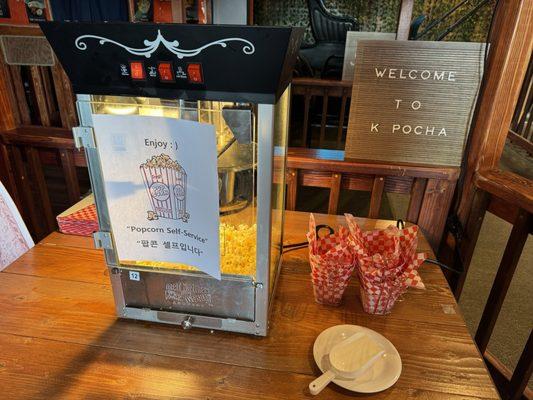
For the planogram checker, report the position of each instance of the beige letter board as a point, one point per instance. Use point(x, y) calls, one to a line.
point(412, 101)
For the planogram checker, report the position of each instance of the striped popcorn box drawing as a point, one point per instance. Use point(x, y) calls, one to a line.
point(166, 185)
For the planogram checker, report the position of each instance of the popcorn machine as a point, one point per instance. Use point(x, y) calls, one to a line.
point(181, 125)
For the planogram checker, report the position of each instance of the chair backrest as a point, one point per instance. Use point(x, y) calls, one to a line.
point(327, 27)
point(15, 239)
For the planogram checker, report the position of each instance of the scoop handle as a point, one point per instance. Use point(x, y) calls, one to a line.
point(321, 382)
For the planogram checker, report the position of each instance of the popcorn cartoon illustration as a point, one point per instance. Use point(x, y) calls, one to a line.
point(166, 185)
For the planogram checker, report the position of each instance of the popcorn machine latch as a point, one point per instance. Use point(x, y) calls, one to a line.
point(102, 240)
point(83, 137)
point(187, 322)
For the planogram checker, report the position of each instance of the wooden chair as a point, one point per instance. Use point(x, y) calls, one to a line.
point(430, 189)
point(15, 239)
point(510, 197)
point(325, 108)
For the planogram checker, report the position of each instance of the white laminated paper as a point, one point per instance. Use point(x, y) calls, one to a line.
point(161, 184)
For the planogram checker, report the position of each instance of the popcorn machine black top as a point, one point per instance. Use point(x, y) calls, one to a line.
point(177, 61)
point(179, 124)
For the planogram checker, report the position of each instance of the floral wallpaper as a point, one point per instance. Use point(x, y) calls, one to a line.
point(379, 15)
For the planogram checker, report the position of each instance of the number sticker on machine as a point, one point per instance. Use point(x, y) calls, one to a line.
point(135, 276)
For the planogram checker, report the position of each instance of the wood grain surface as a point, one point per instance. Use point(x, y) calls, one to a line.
point(60, 338)
point(514, 189)
point(507, 63)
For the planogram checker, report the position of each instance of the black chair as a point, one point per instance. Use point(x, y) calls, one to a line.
point(326, 55)
point(415, 26)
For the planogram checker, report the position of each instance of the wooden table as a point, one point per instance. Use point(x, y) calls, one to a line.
point(60, 338)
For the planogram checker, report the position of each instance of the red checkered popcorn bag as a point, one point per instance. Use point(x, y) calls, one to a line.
point(80, 219)
point(332, 262)
point(387, 264)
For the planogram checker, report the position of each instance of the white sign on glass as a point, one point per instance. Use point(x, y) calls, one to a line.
point(161, 185)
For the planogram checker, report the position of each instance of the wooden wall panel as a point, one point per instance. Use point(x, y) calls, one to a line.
point(66, 100)
point(19, 95)
point(8, 120)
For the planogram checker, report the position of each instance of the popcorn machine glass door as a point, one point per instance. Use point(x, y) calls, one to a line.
point(165, 182)
point(163, 174)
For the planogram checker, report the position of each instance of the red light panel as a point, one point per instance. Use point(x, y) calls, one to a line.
point(194, 72)
point(166, 73)
point(137, 70)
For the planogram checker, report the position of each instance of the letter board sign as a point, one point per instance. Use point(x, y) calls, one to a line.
point(412, 101)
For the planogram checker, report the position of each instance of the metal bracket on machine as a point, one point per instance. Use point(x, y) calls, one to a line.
point(83, 137)
point(102, 240)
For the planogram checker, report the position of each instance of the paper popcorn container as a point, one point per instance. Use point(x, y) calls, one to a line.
point(391, 243)
point(387, 264)
point(329, 289)
point(379, 302)
point(332, 263)
point(382, 280)
point(166, 183)
point(80, 219)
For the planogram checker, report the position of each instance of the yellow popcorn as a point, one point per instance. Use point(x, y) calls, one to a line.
point(162, 161)
point(237, 252)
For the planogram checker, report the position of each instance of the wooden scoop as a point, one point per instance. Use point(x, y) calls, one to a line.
point(348, 359)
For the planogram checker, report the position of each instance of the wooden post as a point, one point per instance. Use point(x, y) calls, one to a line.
point(70, 99)
point(375, 196)
point(65, 97)
point(434, 210)
point(510, 258)
point(292, 187)
point(522, 371)
point(10, 116)
point(323, 120)
point(7, 176)
point(36, 168)
point(335, 189)
point(9, 119)
point(509, 55)
point(345, 94)
point(404, 19)
point(71, 177)
point(40, 95)
point(53, 111)
point(19, 95)
point(468, 244)
point(415, 201)
point(178, 11)
point(250, 14)
point(305, 129)
point(28, 210)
